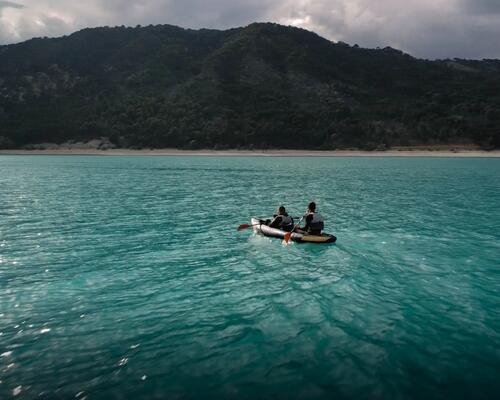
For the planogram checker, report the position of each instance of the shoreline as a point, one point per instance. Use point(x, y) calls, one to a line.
point(411, 152)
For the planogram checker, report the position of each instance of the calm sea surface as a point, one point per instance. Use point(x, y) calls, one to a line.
point(125, 277)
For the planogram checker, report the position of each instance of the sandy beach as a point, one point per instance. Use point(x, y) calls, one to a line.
point(260, 153)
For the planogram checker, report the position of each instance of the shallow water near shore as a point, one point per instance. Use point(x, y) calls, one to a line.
point(124, 277)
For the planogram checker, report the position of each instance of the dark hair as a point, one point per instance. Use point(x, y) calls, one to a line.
point(282, 209)
point(312, 206)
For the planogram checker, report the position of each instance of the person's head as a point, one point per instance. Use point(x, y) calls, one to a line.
point(312, 206)
point(281, 210)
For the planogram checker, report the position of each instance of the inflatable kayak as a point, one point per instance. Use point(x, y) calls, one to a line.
point(259, 226)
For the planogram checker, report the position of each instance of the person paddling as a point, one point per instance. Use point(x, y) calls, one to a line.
point(314, 221)
point(281, 221)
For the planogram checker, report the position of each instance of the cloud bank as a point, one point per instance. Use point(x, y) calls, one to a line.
point(423, 28)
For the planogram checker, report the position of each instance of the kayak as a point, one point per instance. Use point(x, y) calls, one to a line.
point(260, 227)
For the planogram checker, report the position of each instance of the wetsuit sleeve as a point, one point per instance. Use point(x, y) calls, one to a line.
point(309, 219)
point(275, 223)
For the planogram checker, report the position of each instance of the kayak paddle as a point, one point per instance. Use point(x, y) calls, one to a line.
point(288, 235)
point(246, 226)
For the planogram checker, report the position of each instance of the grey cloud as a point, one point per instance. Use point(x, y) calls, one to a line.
point(423, 28)
point(482, 7)
point(207, 14)
point(9, 4)
point(46, 26)
point(5, 4)
point(465, 39)
point(5, 26)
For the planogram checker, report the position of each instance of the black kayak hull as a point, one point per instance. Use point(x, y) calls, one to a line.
point(260, 227)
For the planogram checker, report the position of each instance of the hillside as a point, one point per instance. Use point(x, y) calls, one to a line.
point(261, 86)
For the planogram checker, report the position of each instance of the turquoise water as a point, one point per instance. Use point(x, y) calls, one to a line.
point(124, 277)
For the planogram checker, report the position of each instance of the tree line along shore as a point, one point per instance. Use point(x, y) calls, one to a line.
point(264, 86)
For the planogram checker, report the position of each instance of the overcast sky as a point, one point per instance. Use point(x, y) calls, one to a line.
point(423, 28)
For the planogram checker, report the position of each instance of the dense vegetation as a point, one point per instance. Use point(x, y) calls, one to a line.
point(261, 86)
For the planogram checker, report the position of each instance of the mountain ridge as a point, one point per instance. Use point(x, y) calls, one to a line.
point(260, 86)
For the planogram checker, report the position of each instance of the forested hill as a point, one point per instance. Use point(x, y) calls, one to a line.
point(261, 86)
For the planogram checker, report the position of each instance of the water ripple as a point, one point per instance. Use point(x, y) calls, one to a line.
point(125, 277)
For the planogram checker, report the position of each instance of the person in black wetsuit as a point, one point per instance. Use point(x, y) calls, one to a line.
point(281, 221)
point(314, 221)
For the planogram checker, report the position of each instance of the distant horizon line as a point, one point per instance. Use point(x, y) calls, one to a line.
point(141, 26)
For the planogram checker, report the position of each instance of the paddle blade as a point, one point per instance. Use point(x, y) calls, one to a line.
point(287, 237)
point(243, 226)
